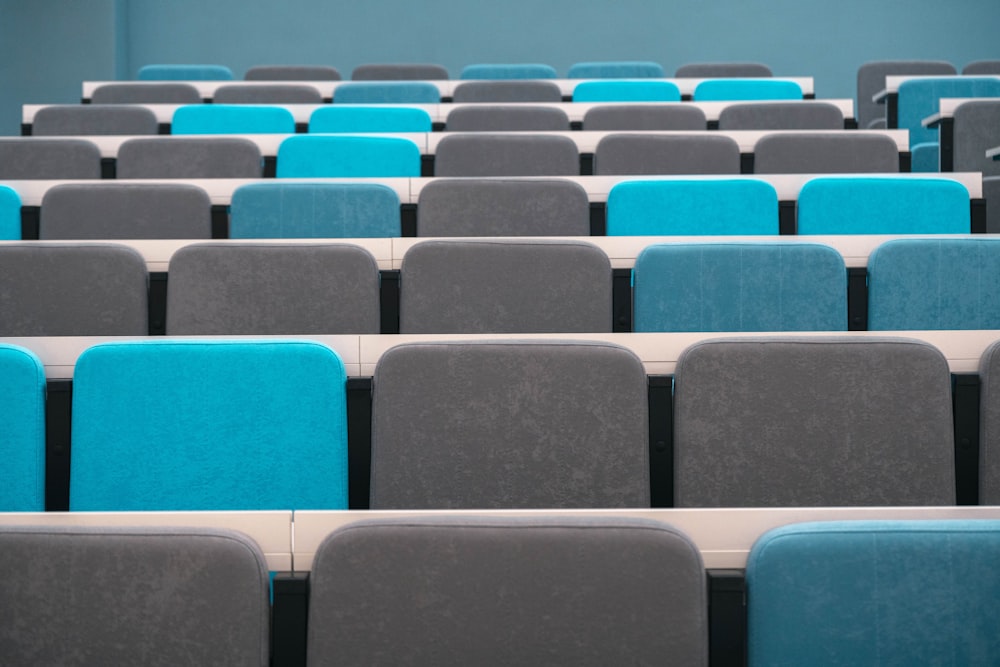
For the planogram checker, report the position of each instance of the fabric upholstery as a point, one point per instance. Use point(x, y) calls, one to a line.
point(22, 431)
point(991, 193)
point(393, 92)
point(989, 426)
point(497, 118)
point(919, 98)
point(399, 72)
point(506, 91)
point(977, 129)
point(232, 119)
point(508, 71)
point(340, 157)
point(782, 116)
point(143, 93)
point(979, 67)
point(292, 73)
point(626, 91)
point(644, 117)
point(10, 214)
point(738, 89)
point(666, 154)
point(28, 158)
point(279, 93)
point(369, 119)
point(87, 119)
point(925, 158)
point(871, 79)
point(624, 69)
point(189, 157)
point(481, 154)
point(825, 153)
point(185, 73)
point(712, 70)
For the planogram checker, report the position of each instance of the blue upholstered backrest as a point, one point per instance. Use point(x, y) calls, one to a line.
point(22, 431)
point(919, 98)
point(509, 71)
point(626, 91)
point(883, 206)
point(185, 73)
point(369, 119)
point(10, 214)
point(692, 208)
point(347, 157)
point(314, 210)
point(625, 69)
point(875, 592)
point(394, 92)
point(232, 119)
point(743, 89)
point(916, 284)
point(740, 287)
point(185, 425)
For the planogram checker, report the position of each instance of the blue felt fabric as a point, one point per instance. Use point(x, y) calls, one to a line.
point(307, 156)
point(626, 91)
point(739, 287)
point(22, 431)
point(509, 71)
point(219, 425)
point(10, 214)
point(395, 92)
point(919, 98)
point(314, 210)
point(883, 205)
point(185, 73)
point(625, 69)
point(369, 119)
point(232, 119)
point(875, 593)
point(743, 89)
point(692, 208)
point(925, 158)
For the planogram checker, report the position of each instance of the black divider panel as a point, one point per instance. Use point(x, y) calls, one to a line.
point(904, 162)
point(220, 221)
point(746, 163)
point(408, 220)
point(426, 165)
point(727, 620)
point(586, 164)
point(965, 406)
point(787, 225)
point(157, 303)
point(850, 123)
point(389, 300)
point(857, 298)
point(621, 300)
point(58, 422)
point(946, 144)
point(163, 128)
point(598, 218)
point(301, 128)
point(359, 441)
point(977, 215)
point(289, 619)
point(30, 222)
point(109, 167)
point(660, 389)
point(25, 129)
point(270, 166)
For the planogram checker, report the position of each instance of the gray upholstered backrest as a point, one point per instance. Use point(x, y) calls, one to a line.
point(781, 116)
point(72, 290)
point(160, 92)
point(793, 421)
point(509, 424)
point(507, 91)
point(182, 157)
point(516, 286)
point(399, 72)
point(503, 207)
point(481, 154)
point(666, 154)
point(989, 426)
point(37, 158)
point(976, 129)
point(512, 591)
point(711, 70)
point(825, 153)
point(125, 211)
point(248, 288)
point(495, 118)
point(150, 596)
point(292, 73)
point(279, 93)
point(644, 117)
point(871, 79)
point(85, 119)
point(982, 67)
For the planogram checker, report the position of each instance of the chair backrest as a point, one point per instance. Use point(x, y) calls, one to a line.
point(812, 422)
point(918, 284)
point(22, 436)
point(278, 93)
point(292, 73)
point(920, 98)
point(507, 91)
point(976, 129)
point(497, 118)
point(743, 89)
point(624, 69)
point(885, 205)
point(989, 426)
point(491, 286)
point(626, 91)
point(871, 79)
point(87, 119)
point(10, 214)
point(347, 157)
point(575, 591)
point(666, 154)
point(712, 207)
point(499, 207)
point(825, 153)
point(33, 158)
point(189, 157)
point(235, 289)
point(509, 424)
point(144, 93)
point(369, 119)
point(208, 425)
point(399, 72)
point(508, 71)
point(313, 210)
point(715, 70)
point(782, 116)
point(924, 592)
point(644, 117)
point(125, 211)
point(739, 287)
point(482, 154)
point(72, 290)
point(979, 67)
point(390, 92)
point(185, 73)
point(231, 119)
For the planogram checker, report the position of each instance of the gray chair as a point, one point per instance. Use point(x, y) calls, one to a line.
point(125, 211)
point(278, 93)
point(118, 596)
point(976, 129)
point(506, 91)
point(182, 157)
point(509, 424)
point(666, 154)
point(496, 118)
point(503, 207)
point(727, 70)
point(292, 73)
point(399, 72)
point(871, 79)
point(825, 153)
point(528, 591)
point(482, 154)
point(146, 93)
point(980, 67)
point(72, 290)
point(804, 422)
point(644, 117)
point(86, 119)
point(29, 158)
point(492, 286)
point(782, 116)
point(244, 288)
point(989, 426)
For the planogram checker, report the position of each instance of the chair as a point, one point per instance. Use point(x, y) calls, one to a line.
point(499, 207)
point(920, 98)
point(32, 158)
point(369, 119)
point(921, 284)
point(347, 157)
point(644, 117)
point(394, 92)
point(489, 286)
point(561, 591)
point(980, 67)
point(399, 72)
point(722, 70)
point(10, 214)
point(886, 205)
point(208, 425)
point(713, 207)
point(509, 424)
point(871, 80)
point(991, 193)
point(989, 409)
point(858, 592)
point(185, 73)
point(976, 128)
point(497, 118)
point(278, 93)
point(231, 119)
point(22, 437)
point(125, 211)
point(292, 73)
point(616, 70)
point(746, 89)
point(145, 93)
point(825, 153)
point(739, 287)
point(666, 154)
point(88, 119)
point(239, 288)
point(508, 71)
point(313, 210)
point(189, 157)
point(781, 116)
point(72, 290)
point(626, 91)
point(506, 91)
point(482, 154)
point(807, 422)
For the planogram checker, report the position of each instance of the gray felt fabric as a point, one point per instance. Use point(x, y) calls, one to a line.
point(135, 596)
point(161, 92)
point(644, 117)
point(825, 153)
point(516, 286)
point(977, 129)
point(506, 91)
point(782, 116)
point(507, 592)
point(778, 422)
point(27, 158)
point(237, 288)
point(989, 426)
point(666, 154)
point(498, 118)
point(481, 154)
point(399, 72)
point(87, 119)
point(714, 70)
point(506, 424)
point(279, 93)
point(72, 290)
point(991, 193)
point(871, 79)
point(182, 157)
point(979, 67)
point(292, 73)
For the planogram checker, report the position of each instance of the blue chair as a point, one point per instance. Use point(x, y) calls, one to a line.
point(626, 91)
point(746, 89)
point(925, 158)
point(395, 92)
point(692, 208)
point(10, 214)
point(185, 73)
point(511, 71)
point(626, 69)
point(209, 425)
point(919, 98)
point(883, 206)
point(313, 210)
point(22, 434)
point(739, 287)
point(369, 119)
point(232, 119)
point(347, 157)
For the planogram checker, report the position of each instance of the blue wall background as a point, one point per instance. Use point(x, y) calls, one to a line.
point(51, 46)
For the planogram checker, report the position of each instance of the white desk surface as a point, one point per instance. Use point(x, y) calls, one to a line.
point(893, 82)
